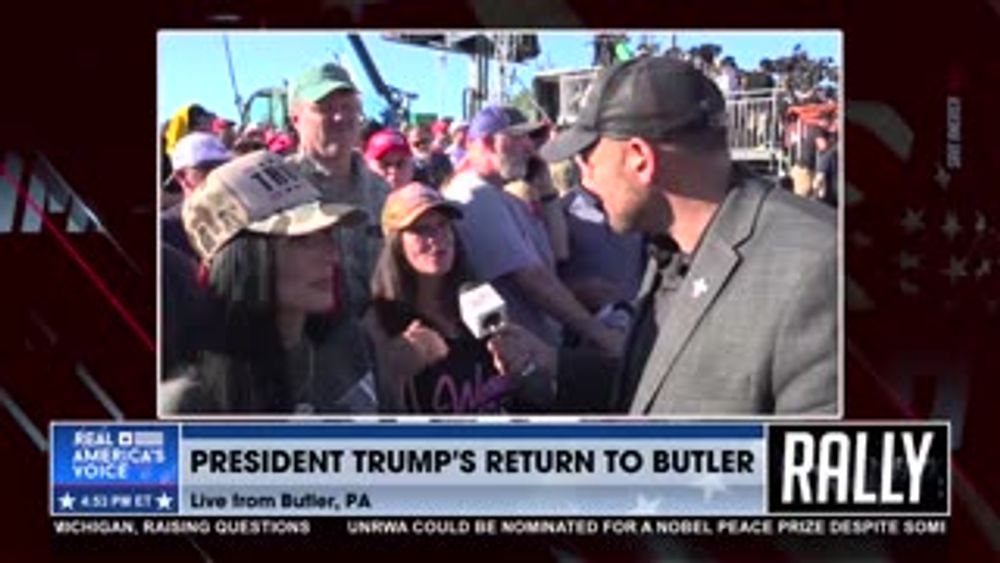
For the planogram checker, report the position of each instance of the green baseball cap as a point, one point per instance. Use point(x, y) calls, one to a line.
point(316, 82)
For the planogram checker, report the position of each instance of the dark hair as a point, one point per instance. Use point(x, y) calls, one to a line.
point(394, 283)
point(244, 369)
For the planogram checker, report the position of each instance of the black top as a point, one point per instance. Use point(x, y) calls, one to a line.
point(456, 384)
point(173, 233)
point(465, 381)
point(192, 316)
point(669, 266)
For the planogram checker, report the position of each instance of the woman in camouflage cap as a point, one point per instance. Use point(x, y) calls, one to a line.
point(269, 257)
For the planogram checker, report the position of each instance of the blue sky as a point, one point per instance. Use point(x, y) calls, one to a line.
point(192, 66)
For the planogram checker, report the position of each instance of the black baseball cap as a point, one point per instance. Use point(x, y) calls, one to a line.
point(656, 98)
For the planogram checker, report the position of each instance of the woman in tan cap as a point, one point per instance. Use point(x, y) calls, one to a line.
point(427, 356)
point(266, 244)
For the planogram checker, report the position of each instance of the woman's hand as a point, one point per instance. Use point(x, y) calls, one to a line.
point(426, 344)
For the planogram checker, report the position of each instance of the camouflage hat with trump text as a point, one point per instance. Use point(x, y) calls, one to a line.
point(258, 192)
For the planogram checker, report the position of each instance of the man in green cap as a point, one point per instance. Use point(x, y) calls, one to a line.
point(326, 112)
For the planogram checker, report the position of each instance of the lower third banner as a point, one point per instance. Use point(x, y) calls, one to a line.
point(513, 470)
point(412, 470)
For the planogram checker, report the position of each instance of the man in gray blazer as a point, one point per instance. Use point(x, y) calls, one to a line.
point(738, 312)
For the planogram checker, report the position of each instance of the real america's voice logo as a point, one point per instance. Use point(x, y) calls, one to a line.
point(124, 469)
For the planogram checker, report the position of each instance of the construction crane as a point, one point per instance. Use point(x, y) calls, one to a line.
point(504, 48)
point(398, 100)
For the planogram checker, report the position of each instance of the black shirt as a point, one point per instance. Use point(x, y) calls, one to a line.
point(667, 266)
point(456, 384)
point(173, 233)
point(465, 381)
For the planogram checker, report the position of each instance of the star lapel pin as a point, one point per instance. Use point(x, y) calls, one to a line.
point(700, 287)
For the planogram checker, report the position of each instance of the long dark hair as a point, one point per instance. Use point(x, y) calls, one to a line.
point(244, 368)
point(394, 283)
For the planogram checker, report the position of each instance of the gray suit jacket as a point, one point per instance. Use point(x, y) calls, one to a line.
point(753, 327)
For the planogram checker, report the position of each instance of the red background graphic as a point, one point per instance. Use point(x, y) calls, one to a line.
point(80, 89)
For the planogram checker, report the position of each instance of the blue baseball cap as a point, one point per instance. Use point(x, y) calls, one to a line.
point(500, 119)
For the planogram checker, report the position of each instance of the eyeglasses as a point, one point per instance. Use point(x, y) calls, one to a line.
point(430, 231)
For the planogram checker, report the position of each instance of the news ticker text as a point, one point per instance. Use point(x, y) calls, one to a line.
point(826, 526)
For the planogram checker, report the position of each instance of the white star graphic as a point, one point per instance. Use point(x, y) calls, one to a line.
point(710, 485)
point(700, 287)
point(164, 501)
point(951, 226)
point(981, 224)
point(66, 501)
point(955, 270)
point(645, 506)
point(942, 177)
point(907, 287)
point(985, 268)
point(908, 261)
point(913, 221)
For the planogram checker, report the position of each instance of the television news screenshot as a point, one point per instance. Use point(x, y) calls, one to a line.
point(566, 292)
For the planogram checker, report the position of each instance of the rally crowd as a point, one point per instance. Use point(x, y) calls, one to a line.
point(320, 270)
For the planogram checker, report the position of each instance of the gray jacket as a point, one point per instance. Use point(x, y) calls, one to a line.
point(751, 329)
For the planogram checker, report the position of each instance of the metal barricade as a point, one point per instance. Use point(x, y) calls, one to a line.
point(754, 124)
